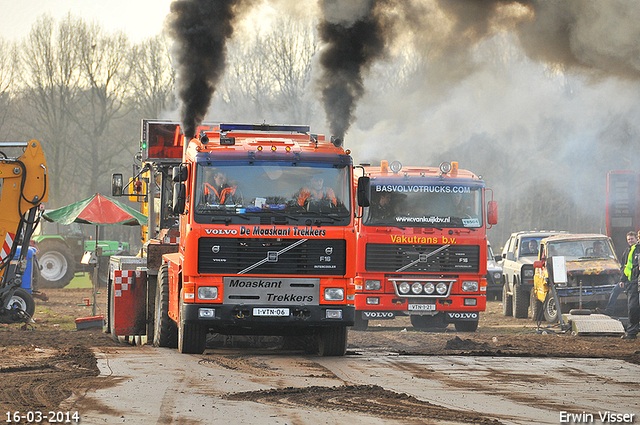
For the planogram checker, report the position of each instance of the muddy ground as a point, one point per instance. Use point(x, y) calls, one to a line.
point(48, 361)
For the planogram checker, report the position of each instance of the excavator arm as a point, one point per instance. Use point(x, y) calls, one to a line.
point(23, 187)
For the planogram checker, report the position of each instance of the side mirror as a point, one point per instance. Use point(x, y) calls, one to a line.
point(179, 174)
point(498, 258)
point(364, 191)
point(510, 256)
point(492, 213)
point(538, 264)
point(116, 184)
point(179, 197)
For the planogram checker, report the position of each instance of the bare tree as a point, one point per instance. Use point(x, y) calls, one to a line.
point(105, 77)
point(8, 68)
point(288, 53)
point(153, 78)
point(50, 75)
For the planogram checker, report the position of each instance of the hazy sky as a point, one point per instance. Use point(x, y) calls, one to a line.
point(138, 18)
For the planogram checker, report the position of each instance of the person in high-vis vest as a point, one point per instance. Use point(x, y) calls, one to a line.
point(633, 298)
point(625, 269)
point(316, 192)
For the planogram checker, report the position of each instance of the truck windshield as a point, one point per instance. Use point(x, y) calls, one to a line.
point(405, 205)
point(269, 189)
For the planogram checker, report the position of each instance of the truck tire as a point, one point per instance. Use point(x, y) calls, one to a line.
point(536, 306)
point(427, 322)
point(56, 262)
point(23, 300)
point(466, 326)
point(550, 310)
point(507, 302)
point(520, 301)
point(192, 337)
point(165, 332)
point(332, 341)
point(360, 323)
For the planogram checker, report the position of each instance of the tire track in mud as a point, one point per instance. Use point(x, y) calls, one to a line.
point(43, 383)
point(368, 399)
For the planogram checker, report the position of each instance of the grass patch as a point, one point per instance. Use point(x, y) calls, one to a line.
point(80, 282)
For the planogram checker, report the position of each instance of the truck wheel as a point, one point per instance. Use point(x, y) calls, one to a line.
point(360, 323)
point(550, 310)
point(165, 332)
point(56, 262)
point(427, 322)
point(520, 302)
point(22, 300)
point(466, 326)
point(507, 302)
point(332, 341)
point(536, 306)
point(192, 337)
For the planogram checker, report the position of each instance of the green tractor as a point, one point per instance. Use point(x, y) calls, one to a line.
point(60, 250)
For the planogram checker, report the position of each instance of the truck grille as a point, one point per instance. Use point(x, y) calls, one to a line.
point(325, 257)
point(393, 258)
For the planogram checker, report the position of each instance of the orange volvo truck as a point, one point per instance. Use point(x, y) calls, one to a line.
point(422, 245)
point(266, 231)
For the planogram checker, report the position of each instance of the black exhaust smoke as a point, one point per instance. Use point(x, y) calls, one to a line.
point(200, 30)
point(351, 47)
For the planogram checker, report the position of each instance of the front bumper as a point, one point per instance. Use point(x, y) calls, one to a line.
point(239, 319)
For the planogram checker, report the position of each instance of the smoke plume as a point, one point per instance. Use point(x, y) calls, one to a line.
point(200, 29)
point(354, 38)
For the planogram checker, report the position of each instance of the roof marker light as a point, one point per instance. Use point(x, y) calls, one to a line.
point(445, 167)
point(288, 148)
point(395, 167)
point(273, 148)
point(259, 148)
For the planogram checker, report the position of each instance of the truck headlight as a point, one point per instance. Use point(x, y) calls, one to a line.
point(441, 288)
point(528, 273)
point(470, 286)
point(207, 292)
point(333, 294)
point(497, 276)
point(404, 287)
point(416, 288)
point(372, 285)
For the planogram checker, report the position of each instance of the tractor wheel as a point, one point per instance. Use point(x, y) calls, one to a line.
point(466, 326)
point(550, 310)
point(360, 323)
point(165, 332)
point(332, 341)
point(56, 262)
point(192, 337)
point(507, 302)
point(22, 300)
point(536, 305)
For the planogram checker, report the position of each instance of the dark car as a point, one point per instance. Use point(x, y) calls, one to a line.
point(494, 276)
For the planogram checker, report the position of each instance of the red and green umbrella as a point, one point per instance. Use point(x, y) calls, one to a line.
point(98, 210)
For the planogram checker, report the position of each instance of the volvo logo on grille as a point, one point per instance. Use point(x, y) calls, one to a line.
point(328, 250)
point(272, 256)
point(215, 249)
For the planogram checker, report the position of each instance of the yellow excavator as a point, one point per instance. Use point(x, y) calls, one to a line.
point(23, 188)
